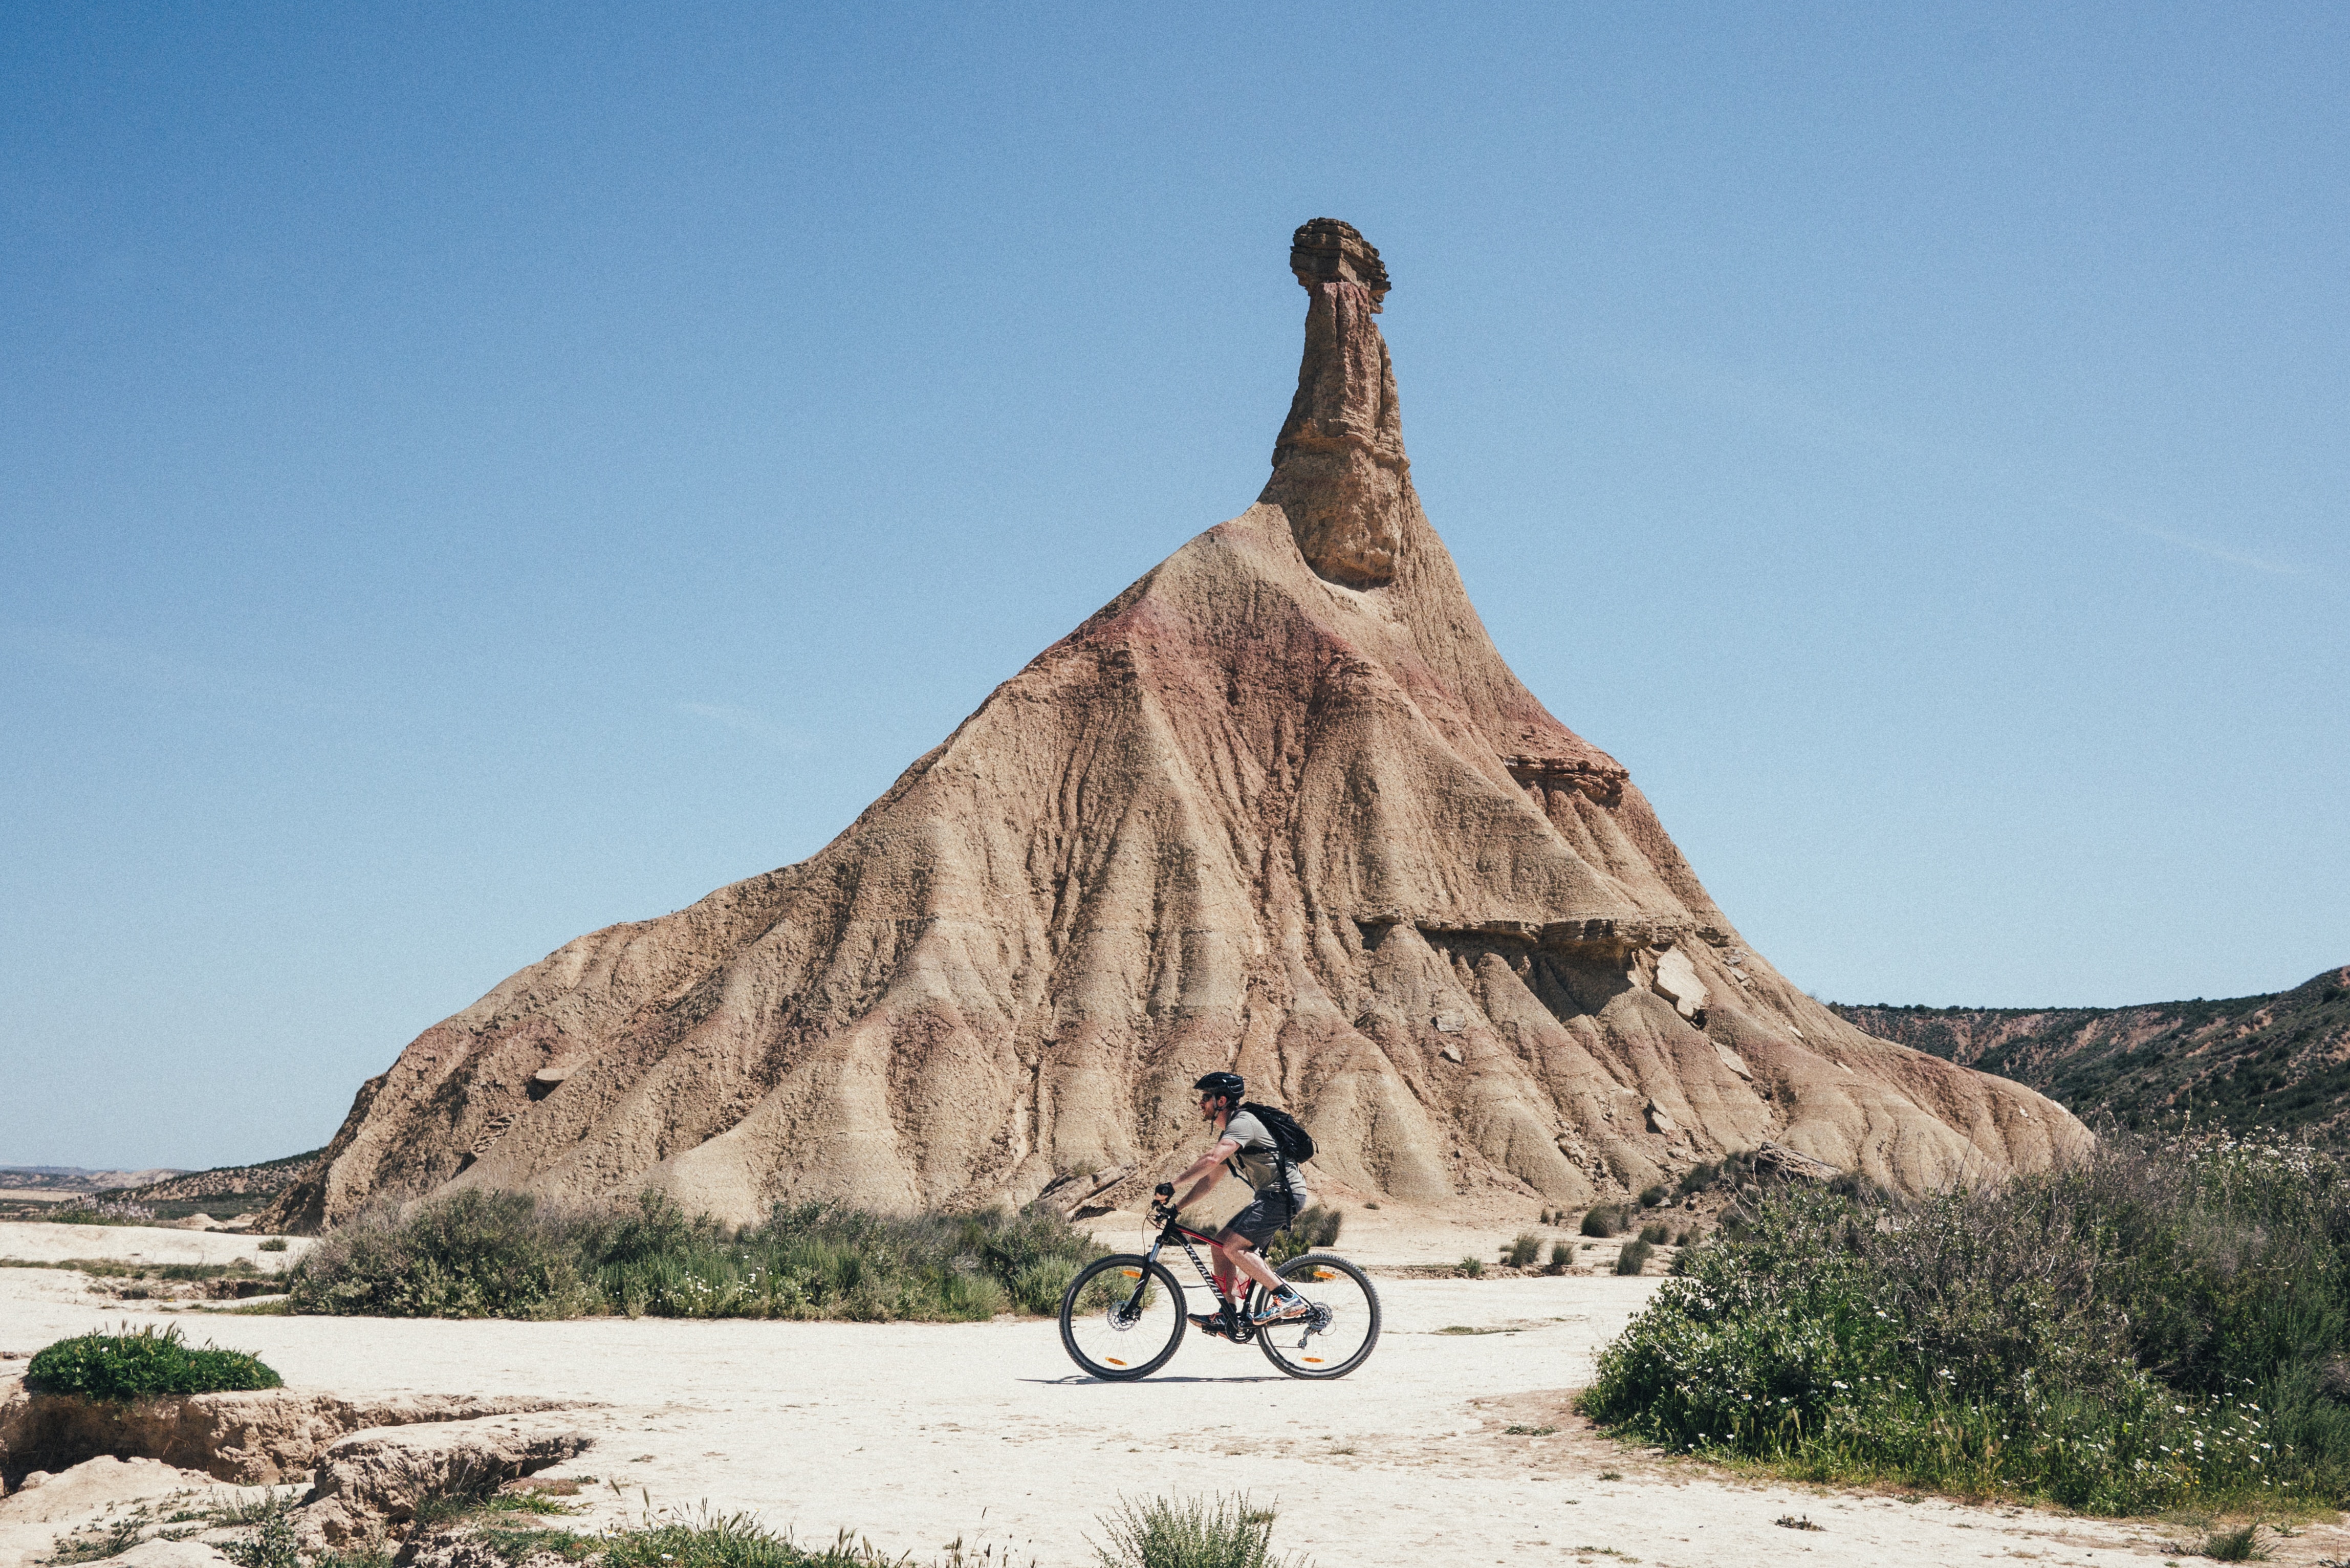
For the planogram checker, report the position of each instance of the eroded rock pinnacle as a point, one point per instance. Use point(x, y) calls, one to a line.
point(1338, 468)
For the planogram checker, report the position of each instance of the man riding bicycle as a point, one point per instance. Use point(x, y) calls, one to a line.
point(1245, 1147)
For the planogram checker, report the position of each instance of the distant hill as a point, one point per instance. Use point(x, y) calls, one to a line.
point(2281, 1060)
point(223, 1192)
point(68, 1179)
point(39, 1191)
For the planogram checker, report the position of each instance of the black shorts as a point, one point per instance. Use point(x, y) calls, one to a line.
point(1266, 1217)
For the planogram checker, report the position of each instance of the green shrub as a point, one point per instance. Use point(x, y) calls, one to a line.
point(1605, 1219)
point(1469, 1268)
point(1651, 1195)
point(1195, 1533)
point(1522, 1252)
point(2150, 1327)
point(1633, 1257)
point(1317, 1227)
point(1654, 1233)
point(1699, 1177)
point(471, 1254)
point(275, 1244)
point(273, 1544)
point(138, 1363)
point(477, 1255)
point(1560, 1255)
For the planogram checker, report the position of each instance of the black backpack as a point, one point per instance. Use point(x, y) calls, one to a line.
point(1292, 1142)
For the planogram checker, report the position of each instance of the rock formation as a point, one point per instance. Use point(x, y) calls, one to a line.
point(248, 1438)
point(1279, 807)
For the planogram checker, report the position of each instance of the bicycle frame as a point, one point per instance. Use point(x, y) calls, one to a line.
point(1174, 1230)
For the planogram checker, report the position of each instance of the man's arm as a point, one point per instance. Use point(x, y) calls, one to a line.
point(1207, 1170)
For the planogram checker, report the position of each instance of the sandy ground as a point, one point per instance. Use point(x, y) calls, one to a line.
point(913, 1435)
point(34, 1241)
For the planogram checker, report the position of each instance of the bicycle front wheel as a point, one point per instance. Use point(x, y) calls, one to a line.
point(1122, 1317)
point(1340, 1327)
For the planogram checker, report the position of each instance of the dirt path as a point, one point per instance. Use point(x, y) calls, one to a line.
point(913, 1435)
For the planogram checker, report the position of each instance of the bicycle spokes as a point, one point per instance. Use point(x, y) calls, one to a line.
point(1121, 1317)
point(1339, 1327)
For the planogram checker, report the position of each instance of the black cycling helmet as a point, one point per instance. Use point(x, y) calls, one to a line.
point(1230, 1084)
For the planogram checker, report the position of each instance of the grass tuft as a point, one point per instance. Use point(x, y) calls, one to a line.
point(1189, 1533)
point(2240, 1544)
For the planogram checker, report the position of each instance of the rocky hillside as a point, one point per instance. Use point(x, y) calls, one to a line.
point(2281, 1060)
point(227, 1190)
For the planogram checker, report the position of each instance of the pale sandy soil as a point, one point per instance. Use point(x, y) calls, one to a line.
point(915, 1434)
point(33, 1242)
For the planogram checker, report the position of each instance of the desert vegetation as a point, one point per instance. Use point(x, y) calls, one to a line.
point(86, 1210)
point(1317, 1227)
point(494, 1524)
point(1188, 1532)
point(503, 1254)
point(2158, 1326)
point(139, 1362)
point(1603, 1219)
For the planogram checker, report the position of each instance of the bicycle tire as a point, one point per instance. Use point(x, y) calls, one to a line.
point(1293, 1362)
point(1147, 1359)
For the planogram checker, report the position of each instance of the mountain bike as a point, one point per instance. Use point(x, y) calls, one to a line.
point(1122, 1317)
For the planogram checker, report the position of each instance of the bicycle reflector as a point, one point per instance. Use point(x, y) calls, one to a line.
point(1131, 1274)
point(1326, 1273)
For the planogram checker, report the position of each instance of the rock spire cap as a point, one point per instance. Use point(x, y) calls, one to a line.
point(1325, 250)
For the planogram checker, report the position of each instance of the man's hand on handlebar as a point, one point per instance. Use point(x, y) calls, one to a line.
point(1165, 1195)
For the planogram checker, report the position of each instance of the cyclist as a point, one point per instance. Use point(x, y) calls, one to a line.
point(1246, 1149)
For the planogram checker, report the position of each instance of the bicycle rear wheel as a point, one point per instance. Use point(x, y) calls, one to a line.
point(1122, 1317)
point(1338, 1333)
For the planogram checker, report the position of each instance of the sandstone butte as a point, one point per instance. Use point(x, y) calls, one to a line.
point(1279, 807)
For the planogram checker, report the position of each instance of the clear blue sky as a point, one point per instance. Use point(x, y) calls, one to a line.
point(472, 474)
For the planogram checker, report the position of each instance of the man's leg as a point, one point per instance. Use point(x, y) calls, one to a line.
point(1245, 1256)
point(1221, 1261)
point(1227, 1313)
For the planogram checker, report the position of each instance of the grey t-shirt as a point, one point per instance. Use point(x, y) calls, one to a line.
point(1258, 1163)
